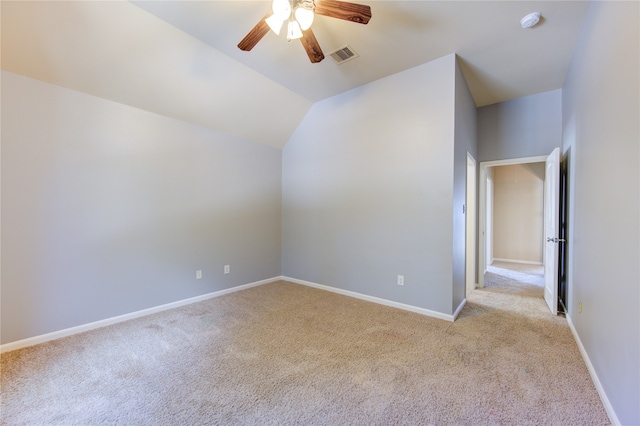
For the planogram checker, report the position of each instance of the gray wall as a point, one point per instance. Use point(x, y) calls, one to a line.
point(108, 209)
point(601, 107)
point(367, 189)
point(465, 141)
point(525, 127)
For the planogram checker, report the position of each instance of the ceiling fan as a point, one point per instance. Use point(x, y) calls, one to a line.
point(299, 16)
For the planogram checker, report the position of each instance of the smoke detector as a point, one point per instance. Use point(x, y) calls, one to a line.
point(530, 20)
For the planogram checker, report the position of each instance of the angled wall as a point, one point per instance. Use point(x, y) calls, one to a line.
point(108, 209)
point(118, 51)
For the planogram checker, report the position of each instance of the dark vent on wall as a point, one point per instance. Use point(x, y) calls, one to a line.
point(343, 54)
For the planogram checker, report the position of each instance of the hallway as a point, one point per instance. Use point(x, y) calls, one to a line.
point(518, 279)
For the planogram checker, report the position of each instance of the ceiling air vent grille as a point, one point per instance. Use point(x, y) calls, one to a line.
point(343, 54)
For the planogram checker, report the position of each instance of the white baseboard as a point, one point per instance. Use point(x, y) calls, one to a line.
point(378, 300)
point(19, 344)
point(594, 376)
point(460, 306)
point(525, 262)
point(114, 320)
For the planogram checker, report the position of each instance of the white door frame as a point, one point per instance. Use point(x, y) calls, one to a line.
point(482, 225)
point(471, 218)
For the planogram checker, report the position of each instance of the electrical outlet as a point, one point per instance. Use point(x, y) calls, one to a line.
point(199, 274)
point(227, 269)
point(400, 279)
point(580, 307)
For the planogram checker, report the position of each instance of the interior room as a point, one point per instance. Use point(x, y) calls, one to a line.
point(151, 166)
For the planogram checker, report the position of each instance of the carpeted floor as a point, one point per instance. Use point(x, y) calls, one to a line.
point(515, 278)
point(283, 353)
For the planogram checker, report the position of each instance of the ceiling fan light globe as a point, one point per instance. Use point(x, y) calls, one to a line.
point(304, 17)
point(281, 9)
point(293, 31)
point(274, 23)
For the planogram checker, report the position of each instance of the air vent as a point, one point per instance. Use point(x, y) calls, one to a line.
point(343, 54)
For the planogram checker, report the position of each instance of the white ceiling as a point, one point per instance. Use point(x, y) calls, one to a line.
point(179, 58)
point(501, 60)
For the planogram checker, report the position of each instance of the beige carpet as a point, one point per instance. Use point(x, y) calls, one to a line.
point(283, 353)
point(515, 278)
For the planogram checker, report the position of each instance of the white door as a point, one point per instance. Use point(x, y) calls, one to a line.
point(551, 212)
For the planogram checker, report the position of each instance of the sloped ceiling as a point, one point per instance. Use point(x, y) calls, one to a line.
point(179, 58)
point(117, 51)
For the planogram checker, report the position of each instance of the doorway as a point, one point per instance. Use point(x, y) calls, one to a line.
point(549, 238)
point(486, 255)
point(516, 204)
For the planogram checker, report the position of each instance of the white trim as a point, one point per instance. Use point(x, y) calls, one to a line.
point(514, 161)
point(378, 300)
point(19, 344)
point(525, 262)
point(594, 376)
point(470, 221)
point(460, 306)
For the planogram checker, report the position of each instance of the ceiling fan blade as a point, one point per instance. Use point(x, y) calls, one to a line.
point(256, 34)
point(344, 10)
point(311, 45)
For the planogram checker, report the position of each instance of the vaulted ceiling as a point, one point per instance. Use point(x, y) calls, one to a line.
point(180, 58)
